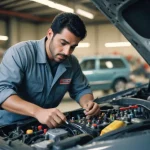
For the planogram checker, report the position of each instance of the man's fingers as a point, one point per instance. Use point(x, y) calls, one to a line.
point(60, 115)
point(49, 124)
point(57, 119)
point(95, 110)
point(88, 106)
point(96, 113)
point(54, 123)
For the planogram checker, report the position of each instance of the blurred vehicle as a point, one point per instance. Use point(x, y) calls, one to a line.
point(138, 67)
point(106, 72)
point(142, 69)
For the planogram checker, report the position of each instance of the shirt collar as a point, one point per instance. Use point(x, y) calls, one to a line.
point(41, 53)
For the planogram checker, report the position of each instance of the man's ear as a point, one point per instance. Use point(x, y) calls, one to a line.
point(49, 33)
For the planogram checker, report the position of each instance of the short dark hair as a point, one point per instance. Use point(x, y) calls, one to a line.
point(70, 21)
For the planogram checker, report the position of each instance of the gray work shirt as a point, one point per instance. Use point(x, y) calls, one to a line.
point(25, 71)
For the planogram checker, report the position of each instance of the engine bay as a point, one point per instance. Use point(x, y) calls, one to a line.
point(124, 112)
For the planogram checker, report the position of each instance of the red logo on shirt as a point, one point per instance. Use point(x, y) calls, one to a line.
point(65, 81)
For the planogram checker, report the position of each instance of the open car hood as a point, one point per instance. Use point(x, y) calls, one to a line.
point(132, 18)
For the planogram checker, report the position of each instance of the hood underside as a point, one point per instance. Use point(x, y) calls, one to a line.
point(132, 18)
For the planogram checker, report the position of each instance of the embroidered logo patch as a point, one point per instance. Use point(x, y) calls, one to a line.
point(65, 81)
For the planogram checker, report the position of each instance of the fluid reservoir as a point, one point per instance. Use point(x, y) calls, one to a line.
point(29, 131)
point(113, 126)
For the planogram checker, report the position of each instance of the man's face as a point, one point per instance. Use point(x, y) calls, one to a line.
point(61, 45)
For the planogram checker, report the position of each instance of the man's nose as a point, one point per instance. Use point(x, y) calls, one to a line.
point(67, 50)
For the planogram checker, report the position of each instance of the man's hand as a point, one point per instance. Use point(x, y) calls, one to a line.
point(51, 117)
point(91, 109)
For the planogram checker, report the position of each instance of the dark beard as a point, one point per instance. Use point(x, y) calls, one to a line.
point(64, 56)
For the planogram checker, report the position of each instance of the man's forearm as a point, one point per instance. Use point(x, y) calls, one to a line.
point(85, 98)
point(17, 105)
point(52, 117)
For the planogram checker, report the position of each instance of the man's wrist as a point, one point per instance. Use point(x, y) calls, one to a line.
point(35, 111)
point(85, 103)
point(85, 99)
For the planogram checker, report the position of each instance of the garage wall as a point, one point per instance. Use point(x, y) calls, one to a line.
point(21, 31)
point(42, 29)
point(92, 39)
point(107, 34)
point(2, 32)
point(97, 36)
point(2, 27)
point(28, 31)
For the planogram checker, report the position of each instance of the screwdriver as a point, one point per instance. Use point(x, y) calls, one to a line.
point(66, 122)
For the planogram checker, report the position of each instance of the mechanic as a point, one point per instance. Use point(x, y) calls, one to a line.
point(36, 74)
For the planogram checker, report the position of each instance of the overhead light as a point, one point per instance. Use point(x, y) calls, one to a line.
point(55, 5)
point(82, 45)
point(117, 44)
point(85, 13)
point(3, 38)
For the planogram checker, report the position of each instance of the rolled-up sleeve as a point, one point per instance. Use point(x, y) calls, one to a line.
point(79, 84)
point(11, 73)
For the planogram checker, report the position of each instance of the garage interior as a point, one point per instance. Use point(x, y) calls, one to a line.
point(22, 20)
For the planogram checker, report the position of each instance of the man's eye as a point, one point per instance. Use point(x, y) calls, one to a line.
point(73, 48)
point(63, 43)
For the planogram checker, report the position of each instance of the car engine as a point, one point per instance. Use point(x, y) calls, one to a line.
point(124, 112)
